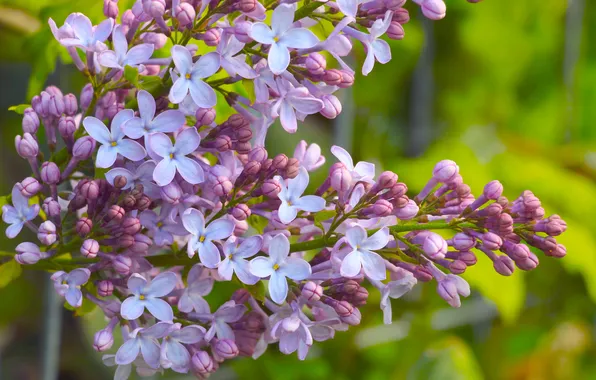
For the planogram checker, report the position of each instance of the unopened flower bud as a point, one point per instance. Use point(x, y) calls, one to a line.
point(103, 340)
point(202, 363)
point(56, 105)
point(27, 146)
point(222, 186)
point(246, 6)
point(130, 225)
point(493, 190)
point(185, 14)
point(433, 245)
point(271, 188)
point(29, 187)
point(462, 241)
point(339, 177)
point(347, 79)
point(110, 8)
point(332, 77)
point(241, 212)
point(331, 107)
point(89, 248)
point(67, 127)
point(52, 208)
point(433, 9)
point(86, 96)
point(30, 121)
point(407, 212)
point(171, 193)
point(292, 168)
point(445, 171)
point(312, 292)
point(84, 226)
point(491, 241)
point(225, 348)
point(395, 31)
point(242, 31)
point(280, 161)
point(529, 263)
point(258, 154)
point(504, 265)
point(212, 37)
point(50, 173)
point(158, 40)
point(343, 309)
point(315, 63)
point(241, 296)
point(154, 8)
point(47, 233)
point(27, 253)
point(122, 264)
point(205, 116)
point(70, 104)
point(120, 182)
point(90, 190)
point(83, 148)
point(115, 213)
point(105, 288)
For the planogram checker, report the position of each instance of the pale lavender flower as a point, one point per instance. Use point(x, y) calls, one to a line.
point(363, 171)
point(293, 333)
point(402, 281)
point(191, 77)
point(203, 236)
point(309, 155)
point(146, 295)
point(292, 200)
point(174, 354)
point(161, 228)
point(449, 286)
point(292, 100)
point(84, 35)
point(235, 259)
point(68, 285)
point(349, 7)
point(197, 287)
point(376, 48)
point(278, 266)
point(113, 141)
point(173, 157)
point(232, 62)
point(143, 341)
point(361, 256)
point(141, 174)
point(121, 56)
point(19, 213)
point(281, 36)
point(227, 313)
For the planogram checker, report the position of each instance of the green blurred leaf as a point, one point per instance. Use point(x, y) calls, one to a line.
point(321, 216)
point(131, 74)
point(8, 272)
point(258, 222)
point(20, 109)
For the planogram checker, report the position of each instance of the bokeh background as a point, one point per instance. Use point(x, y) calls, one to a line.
point(505, 88)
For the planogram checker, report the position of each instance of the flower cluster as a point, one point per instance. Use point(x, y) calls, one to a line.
point(151, 201)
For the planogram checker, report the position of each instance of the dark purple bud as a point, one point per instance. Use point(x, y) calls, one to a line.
point(105, 288)
point(83, 148)
point(258, 154)
point(120, 182)
point(292, 168)
point(222, 143)
point(468, 258)
point(90, 190)
point(529, 263)
point(339, 177)
point(115, 213)
point(394, 5)
point(347, 79)
point(50, 173)
point(271, 188)
point(27, 146)
point(493, 190)
point(225, 349)
point(110, 8)
point(242, 147)
point(143, 203)
point(103, 340)
point(395, 31)
point(70, 105)
point(89, 248)
point(343, 308)
point(457, 267)
point(84, 226)
point(205, 116)
point(504, 265)
point(462, 241)
point(47, 233)
point(67, 127)
point(141, 243)
point(396, 191)
point(241, 212)
point(130, 225)
point(202, 363)
point(52, 208)
point(27, 254)
point(126, 241)
point(315, 63)
point(237, 121)
point(350, 287)
point(158, 40)
point(491, 241)
point(246, 6)
point(86, 96)
point(445, 171)
point(29, 187)
point(387, 180)
point(185, 14)
point(154, 8)
point(241, 296)
point(360, 297)
point(242, 31)
point(222, 186)
point(30, 121)
point(252, 168)
point(312, 292)
point(280, 161)
point(332, 77)
point(243, 134)
point(212, 37)
point(122, 264)
point(380, 208)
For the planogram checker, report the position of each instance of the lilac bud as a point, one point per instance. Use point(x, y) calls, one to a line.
point(241, 296)
point(493, 190)
point(243, 134)
point(50, 173)
point(83, 148)
point(386, 180)
point(185, 14)
point(222, 186)
point(212, 37)
point(202, 363)
point(27, 254)
point(242, 31)
point(89, 248)
point(331, 107)
point(155, 8)
point(70, 104)
point(158, 40)
point(433, 245)
point(457, 267)
point(205, 116)
point(171, 193)
point(450, 287)
point(394, 5)
point(401, 15)
point(433, 9)
point(120, 182)
point(491, 241)
point(312, 292)
point(380, 208)
point(110, 8)
point(56, 105)
point(144, 203)
point(247, 6)
point(130, 225)
point(242, 147)
point(315, 63)
point(89, 190)
point(47, 233)
point(395, 31)
point(67, 127)
point(360, 297)
point(258, 154)
point(105, 288)
point(83, 226)
point(30, 121)
point(241, 212)
point(86, 96)
point(225, 348)
point(462, 241)
point(29, 187)
point(115, 213)
point(339, 177)
point(396, 191)
point(141, 243)
point(122, 264)
point(445, 171)
point(103, 340)
point(27, 146)
point(271, 188)
point(343, 308)
point(504, 265)
point(407, 212)
point(529, 263)
point(332, 77)
point(280, 161)
point(347, 79)
point(467, 257)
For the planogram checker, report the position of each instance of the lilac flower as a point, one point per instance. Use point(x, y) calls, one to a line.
point(231, 61)
point(166, 122)
point(309, 155)
point(173, 157)
point(234, 261)
point(147, 296)
point(197, 287)
point(227, 313)
point(281, 36)
point(19, 213)
point(68, 285)
point(363, 171)
point(278, 266)
point(141, 174)
point(292, 99)
point(349, 7)
point(121, 56)
point(85, 35)
point(449, 286)
point(203, 236)
point(161, 229)
point(292, 200)
point(191, 77)
point(173, 352)
point(402, 282)
point(293, 333)
point(113, 142)
point(361, 256)
point(376, 48)
point(143, 341)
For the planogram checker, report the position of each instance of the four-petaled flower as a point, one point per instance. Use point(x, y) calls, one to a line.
point(191, 77)
point(235, 259)
point(68, 285)
point(146, 295)
point(161, 228)
point(376, 48)
point(173, 157)
point(281, 36)
point(19, 213)
point(173, 352)
point(203, 236)
point(84, 34)
point(141, 174)
point(292, 200)
point(113, 142)
point(199, 284)
point(278, 266)
point(121, 56)
point(402, 281)
point(143, 341)
point(361, 256)
point(227, 313)
point(232, 62)
point(292, 99)
point(363, 171)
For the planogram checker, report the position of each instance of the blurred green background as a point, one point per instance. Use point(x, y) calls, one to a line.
point(505, 88)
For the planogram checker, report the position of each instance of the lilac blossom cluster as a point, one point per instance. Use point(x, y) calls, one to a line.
point(151, 202)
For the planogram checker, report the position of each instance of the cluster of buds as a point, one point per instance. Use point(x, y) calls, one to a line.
point(156, 200)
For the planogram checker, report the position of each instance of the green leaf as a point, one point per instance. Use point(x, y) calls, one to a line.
point(258, 223)
point(149, 83)
point(20, 109)
point(322, 216)
point(8, 272)
point(131, 74)
point(257, 290)
point(307, 10)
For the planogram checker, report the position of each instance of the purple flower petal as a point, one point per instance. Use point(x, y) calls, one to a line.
point(278, 287)
point(219, 229)
point(261, 33)
point(128, 352)
point(279, 58)
point(97, 129)
point(162, 284)
point(261, 267)
point(282, 18)
point(131, 150)
point(164, 172)
point(179, 90)
point(279, 248)
point(373, 265)
point(209, 254)
point(299, 38)
point(296, 269)
point(206, 66)
point(132, 308)
point(160, 309)
point(351, 264)
point(182, 59)
point(202, 94)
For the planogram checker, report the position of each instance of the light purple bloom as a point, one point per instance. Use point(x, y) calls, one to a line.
point(234, 261)
point(19, 213)
point(309, 155)
point(198, 286)
point(68, 285)
point(449, 286)
point(141, 174)
point(227, 313)
point(349, 7)
point(146, 295)
point(361, 256)
point(113, 142)
point(292, 200)
point(84, 35)
point(281, 36)
point(143, 341)
point(293, 103)
point(173, 352)
point(203, 236)
point(293, 333)
point(161, 228)
point(402, 282)
point(191, 77)
point(147, 123)
point(173, 157)
point(278, 266)
point(121, 56)
point(363, 171)
point(231, 61)
point(376, 48)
